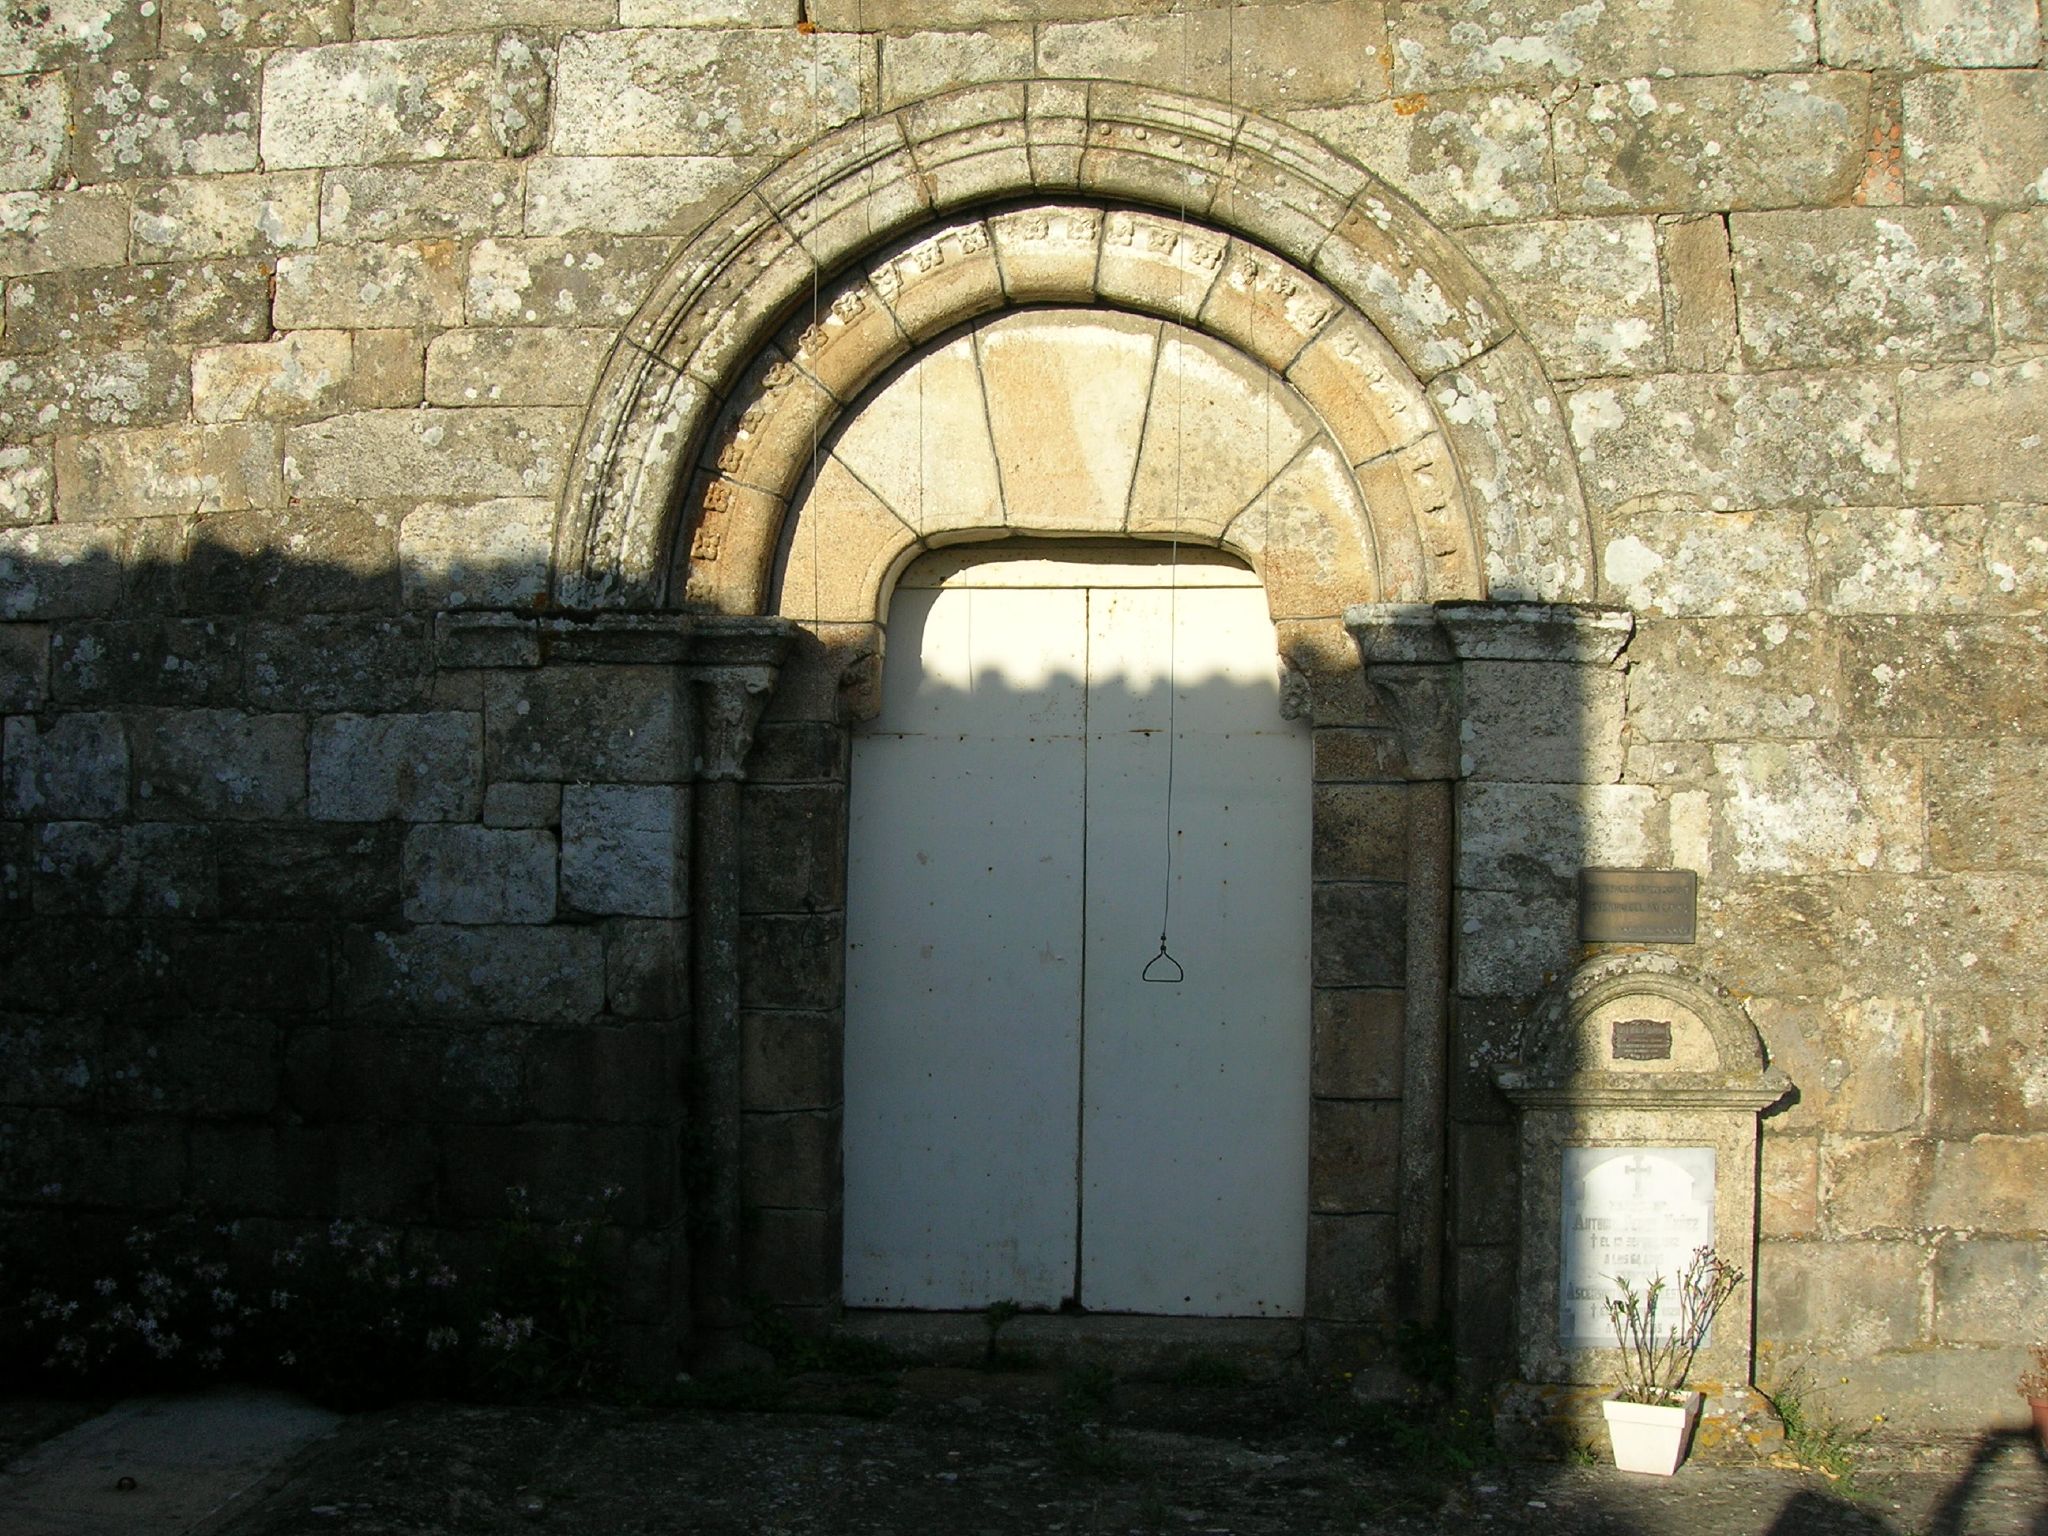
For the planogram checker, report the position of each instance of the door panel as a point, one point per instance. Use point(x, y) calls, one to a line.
point(963, 979)
point(1025, 1118)
point(1195, 1102)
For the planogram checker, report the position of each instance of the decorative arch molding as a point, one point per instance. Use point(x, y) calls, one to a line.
point(710, 410)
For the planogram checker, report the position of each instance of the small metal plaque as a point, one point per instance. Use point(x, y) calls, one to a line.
point(1642, 1040)
point(1638, 906)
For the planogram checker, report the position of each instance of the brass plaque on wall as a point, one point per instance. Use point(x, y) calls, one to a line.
point(1638, 906)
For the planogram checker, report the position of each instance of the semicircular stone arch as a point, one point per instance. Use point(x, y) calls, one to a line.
point(1248, 250)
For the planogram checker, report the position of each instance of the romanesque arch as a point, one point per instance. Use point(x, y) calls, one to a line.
point(770, 323)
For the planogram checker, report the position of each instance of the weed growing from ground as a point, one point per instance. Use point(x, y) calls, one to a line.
point(1813, 1440)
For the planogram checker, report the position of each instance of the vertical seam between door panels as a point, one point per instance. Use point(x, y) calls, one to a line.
point(1081, 1016)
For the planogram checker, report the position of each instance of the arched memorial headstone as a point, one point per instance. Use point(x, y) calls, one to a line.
point(1639, 1091)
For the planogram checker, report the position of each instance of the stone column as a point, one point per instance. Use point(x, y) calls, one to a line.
point(732, 673)
point(1409, 665)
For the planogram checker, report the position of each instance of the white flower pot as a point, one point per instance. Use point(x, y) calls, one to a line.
point(1650, 1437)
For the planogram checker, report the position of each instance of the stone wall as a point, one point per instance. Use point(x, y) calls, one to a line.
point(319, 899)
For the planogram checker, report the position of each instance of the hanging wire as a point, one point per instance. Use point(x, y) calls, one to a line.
point(1163, 968)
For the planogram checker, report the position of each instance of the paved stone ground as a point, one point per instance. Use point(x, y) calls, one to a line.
point(959, 1451)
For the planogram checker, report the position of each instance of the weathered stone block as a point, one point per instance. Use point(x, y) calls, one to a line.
point(1535, 722)
point(48, 1063)
point(68, 32)
point(24, 667)
point(1843, 286)
point(790, 1061)
point(467, 874)
point(56, 231)
point(515, 366)
point(1706, 145)
point(366, 286)
point(75, 767)
point(159, 471)
point(1965, 933)
point(147, 661)
point(1360, 832)
point(1513, 944)
point(646, 970)
point(1872, 1183)
point(1988, 1183)
point(1536, 837)
point(263, 24)
point(60, 572)
point(1585, 291)
point(1718, 679)
point(1788, 1179)
point(631, 194)
point(219, 764)
point(614, 1074)
point(617, 724)
point(51, 1157)
point(194, 115)
point(1865, 1296)
point(790, 1160)
point(376, 102)
point(28, 487)
point(1812, 807)
point(1987, 804)
point(1354, 1155)
point(334, 662)
point(325, 872)
point(361, 204)
point(1343, 754)
point(1264, 57)
point(792, 962)
point(1467, 157)
point(1982, 1284)
point(143, 870)
point(792, 848)
point(1861, 1065)
point(2019, 276)
point(1486, 1173)
point(491, 554)
point(178, 301)
point(539, 974)
point(456, 454)
point(308, 559)
point(1767, 440)
point(1976, 135)
point(1360, 936)
point(925, 63)
point(1901, 559)
point(417, 1073)
point(1923, 677)
point(1699, 291)
point(1988, 1066)
point(1351, 1262)
point(1482, 42)
point(788, 1254)
point(308, 373)
point(1685, 563)
point(1972, 433)
point(34, 117)
point(626, 848)
point(72, 391)
point(522, 805)
point(591, 280)
point(616, 92)
point(192, 218)
point(1357, 1044)
point(426, 767)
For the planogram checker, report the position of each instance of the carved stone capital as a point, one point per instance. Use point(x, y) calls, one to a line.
point(729, 705)
point(1422, 702)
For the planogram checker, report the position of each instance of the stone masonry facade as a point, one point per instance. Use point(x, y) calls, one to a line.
point(362, 854)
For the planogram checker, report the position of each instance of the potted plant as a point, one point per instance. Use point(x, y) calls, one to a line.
point(2034, 1388)
point(1650, 1418)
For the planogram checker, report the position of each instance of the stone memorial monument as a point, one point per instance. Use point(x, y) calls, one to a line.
point(1639, 1093)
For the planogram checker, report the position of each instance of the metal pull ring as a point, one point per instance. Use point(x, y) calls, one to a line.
point(1158, 963)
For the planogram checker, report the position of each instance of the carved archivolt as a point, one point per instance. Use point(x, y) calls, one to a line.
point(1261, 255)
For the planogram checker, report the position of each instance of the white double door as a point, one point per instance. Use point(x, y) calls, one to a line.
point(1027, 1118)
